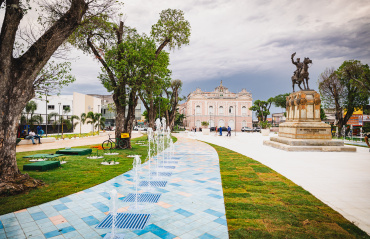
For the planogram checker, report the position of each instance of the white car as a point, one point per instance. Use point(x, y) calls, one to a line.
point(246, 129)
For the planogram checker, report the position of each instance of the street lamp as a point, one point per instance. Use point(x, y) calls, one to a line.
point(235, 119)
point(46, 103)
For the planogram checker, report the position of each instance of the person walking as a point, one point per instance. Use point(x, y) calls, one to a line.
point(228, 131)
point(220, 129)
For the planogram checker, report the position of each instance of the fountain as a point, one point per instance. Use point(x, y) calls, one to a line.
point(113, 207)
point(136, 167)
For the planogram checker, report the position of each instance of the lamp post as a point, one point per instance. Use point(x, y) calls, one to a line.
point(194, 120)
point(59, 118)
point(235, 119)
point(46, 108)
point(99, 120)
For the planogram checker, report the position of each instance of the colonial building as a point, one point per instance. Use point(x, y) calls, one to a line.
point(219, 107)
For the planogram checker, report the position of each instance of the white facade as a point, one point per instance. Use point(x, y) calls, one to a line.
point(77, 103)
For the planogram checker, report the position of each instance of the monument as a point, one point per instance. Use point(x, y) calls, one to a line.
point(303, 129)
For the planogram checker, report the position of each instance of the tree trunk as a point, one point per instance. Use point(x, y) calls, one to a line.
point(151, 114)
point(17, 76)
point(131, 115)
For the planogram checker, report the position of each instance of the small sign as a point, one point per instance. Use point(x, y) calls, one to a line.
point(125, 135)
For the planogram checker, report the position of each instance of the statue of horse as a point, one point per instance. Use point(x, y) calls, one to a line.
point(301, 75)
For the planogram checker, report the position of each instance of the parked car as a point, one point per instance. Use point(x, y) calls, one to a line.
point(212, 129)
point(141, 128)
point(247, 129)
point(256, 129)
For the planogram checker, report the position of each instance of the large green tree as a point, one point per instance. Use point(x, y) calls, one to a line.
point(19, 72)
point(171, 30)
point(133, 62)
point(262, 109)
point(280, 100)
point(339, 90)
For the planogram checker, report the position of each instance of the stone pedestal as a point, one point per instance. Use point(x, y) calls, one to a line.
point(303, 129)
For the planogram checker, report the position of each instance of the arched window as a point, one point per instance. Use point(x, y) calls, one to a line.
point(244, 110)
point(244, 123)
point(221, 123)
point(210, 110)
point(231, 110)
point(231, 124)
point(197, 110)
point(221, 110)
point(197, 124)
point(211, 123)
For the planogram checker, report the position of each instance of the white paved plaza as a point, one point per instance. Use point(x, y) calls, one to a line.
point(339, 179)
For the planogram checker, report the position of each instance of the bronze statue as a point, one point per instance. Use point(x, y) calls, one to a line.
point(301, 73)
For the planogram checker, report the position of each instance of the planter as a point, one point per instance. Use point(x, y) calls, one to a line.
point(95, 157)
point(109, 163)
point(265, 132)
point(206, 131)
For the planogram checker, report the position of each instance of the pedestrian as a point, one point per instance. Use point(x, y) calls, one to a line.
point(220, 129)
point(228, 131)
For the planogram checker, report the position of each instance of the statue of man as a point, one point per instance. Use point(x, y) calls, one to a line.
point(298, 64)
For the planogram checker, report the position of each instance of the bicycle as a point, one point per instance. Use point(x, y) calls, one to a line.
point(120, 143)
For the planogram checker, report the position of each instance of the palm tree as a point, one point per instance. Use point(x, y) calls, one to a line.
point(91, 119)
point(96, 120)
point(30, 108)
point(82, 121)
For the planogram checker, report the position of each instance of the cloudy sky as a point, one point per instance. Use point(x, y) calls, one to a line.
point(248, 43)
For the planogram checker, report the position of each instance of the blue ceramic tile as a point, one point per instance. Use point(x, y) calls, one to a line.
point(52, 234)
point(90, 220)
point(117, 185)
point(214, 213)
point(101, 206)
point(127, 175)
point(67, 229)
point(206, 236)
point(65, 200)
point(88, 191)
point(184, 212)
point(213, 189)
point(221, 221)
point(105, 194)
point(1, 225)
point(60, 207)
point(162, 190)
point(200, 181)
point(215, 196)
point(38, 216)
point(175, 184)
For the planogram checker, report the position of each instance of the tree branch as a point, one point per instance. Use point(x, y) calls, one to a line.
point(12, 18)
point(160, 48)
point(100, 58)
point(41, 51)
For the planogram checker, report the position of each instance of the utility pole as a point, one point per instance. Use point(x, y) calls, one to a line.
point(59, 119)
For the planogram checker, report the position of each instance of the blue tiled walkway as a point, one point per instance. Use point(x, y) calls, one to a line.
point(191, 204)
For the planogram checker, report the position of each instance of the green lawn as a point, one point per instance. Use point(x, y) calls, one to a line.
point(78, 174)
point(260, 203)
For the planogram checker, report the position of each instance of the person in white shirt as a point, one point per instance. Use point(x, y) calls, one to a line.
point(31, 135)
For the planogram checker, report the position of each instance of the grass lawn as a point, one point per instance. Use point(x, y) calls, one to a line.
point(260, 203)
point(79, 173)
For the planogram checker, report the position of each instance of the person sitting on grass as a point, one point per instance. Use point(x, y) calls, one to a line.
point(31, 135)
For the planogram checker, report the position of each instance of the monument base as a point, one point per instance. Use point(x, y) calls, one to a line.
point(305, 130)
point(318, 145)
